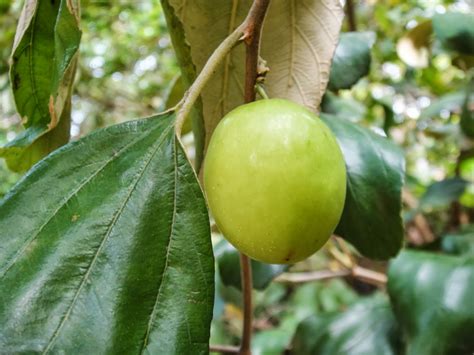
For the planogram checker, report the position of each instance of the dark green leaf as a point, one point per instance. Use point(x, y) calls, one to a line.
point(442, 193)
point(105, 248)
point(371, 218)
point(459, 243)
point(455, 30)
point(351, 60)
point(228, 260)
point(42, 72)
point(432, 299)
point(367, 327)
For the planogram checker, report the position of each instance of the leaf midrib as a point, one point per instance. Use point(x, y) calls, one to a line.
point(110, 228)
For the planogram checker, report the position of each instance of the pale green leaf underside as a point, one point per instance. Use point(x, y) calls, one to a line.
point(299, 38)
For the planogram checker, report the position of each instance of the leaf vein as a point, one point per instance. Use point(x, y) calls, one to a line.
point(109, 230)
point(81, 185)
point(173, 221)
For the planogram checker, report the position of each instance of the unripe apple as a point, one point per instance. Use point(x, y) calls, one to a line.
point(275, 180)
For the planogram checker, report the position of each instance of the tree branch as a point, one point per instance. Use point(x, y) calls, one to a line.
point(252, 33)
point(246, 280)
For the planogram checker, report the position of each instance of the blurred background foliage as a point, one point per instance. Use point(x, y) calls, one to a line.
point(416, 91)
point(125, 68)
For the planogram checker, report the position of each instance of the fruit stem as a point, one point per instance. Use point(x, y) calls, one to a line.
point(261, 91)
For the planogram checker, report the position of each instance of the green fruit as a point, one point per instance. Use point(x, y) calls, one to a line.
point(275, 180)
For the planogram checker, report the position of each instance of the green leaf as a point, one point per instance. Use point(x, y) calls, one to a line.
point(228, 260)
point(455, 30)
point(43, 66)
point(367, 327)
point(432, 299)
point(440, 194)
point(105, 248)
point(375, 166)
point(351, 60)
point(296, 44)
point(459, 243)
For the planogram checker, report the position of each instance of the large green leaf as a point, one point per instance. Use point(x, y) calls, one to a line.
point(43, 65)
point(367, 328)
point(371, 218)
point(455, 30)
point(432, 297)
point(298, 42)
point(105, 248)
point(228, 260)
point(351, 60)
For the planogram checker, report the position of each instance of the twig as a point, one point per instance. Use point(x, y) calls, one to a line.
point(369, 276)
point(246, 277)
point(225, 349)
point(190, 97)
point(301, 277)
point(253, 31)
point(249, 31)
point(358, 272)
